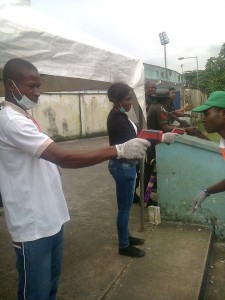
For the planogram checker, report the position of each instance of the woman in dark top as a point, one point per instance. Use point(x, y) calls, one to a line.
point(121, 129)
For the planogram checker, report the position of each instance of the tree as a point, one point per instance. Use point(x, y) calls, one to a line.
point(215, 67)
point(190, 78)
point(213, 77)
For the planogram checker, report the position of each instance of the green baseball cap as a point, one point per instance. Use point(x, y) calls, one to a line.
point(216, 99)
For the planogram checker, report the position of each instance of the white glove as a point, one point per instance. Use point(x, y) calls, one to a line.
point(169, 137)
point(197, 201)
point(133, 149)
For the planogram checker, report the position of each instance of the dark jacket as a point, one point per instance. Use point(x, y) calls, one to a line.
point(120, 129)
point(157, 116)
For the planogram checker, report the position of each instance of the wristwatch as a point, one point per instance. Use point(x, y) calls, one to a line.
point(206, 192)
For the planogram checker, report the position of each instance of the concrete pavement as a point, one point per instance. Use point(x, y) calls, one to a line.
point(175, 258)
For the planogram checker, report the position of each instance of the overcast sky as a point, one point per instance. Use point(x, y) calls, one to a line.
point(194, 27)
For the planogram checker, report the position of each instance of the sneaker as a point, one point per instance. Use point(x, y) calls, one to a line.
point(131, 251)
point(135, 241)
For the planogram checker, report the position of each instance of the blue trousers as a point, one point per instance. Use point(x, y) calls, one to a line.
point(124, 175)
point(39, 266)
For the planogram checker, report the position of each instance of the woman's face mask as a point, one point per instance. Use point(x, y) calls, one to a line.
point(24, 102)
point(121, 109)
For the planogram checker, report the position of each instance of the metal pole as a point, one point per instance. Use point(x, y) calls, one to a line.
point(142, 209)
point(197, 72)
point(165, 56)
point(196, 57)
point(165, 60)
point(141, 125)
point(182, 75)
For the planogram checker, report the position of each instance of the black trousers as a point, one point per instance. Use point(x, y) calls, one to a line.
point(149, 167)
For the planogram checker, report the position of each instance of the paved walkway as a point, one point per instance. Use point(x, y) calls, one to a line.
point(92, 268)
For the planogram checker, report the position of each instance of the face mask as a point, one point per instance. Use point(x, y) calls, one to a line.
point(121, 109)
point(24, 102)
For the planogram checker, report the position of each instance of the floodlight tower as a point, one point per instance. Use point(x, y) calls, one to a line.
point(164, 40)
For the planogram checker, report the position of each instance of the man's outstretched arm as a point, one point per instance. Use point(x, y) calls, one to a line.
point(133, 149)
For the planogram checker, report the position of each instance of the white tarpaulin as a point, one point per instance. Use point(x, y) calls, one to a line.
point(60, 51)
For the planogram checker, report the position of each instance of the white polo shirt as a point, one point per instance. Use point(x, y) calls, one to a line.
point(222, 143)
point(31, 188)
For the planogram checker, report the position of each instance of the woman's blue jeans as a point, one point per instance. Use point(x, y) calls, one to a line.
point(39, 265)
point(124, 175)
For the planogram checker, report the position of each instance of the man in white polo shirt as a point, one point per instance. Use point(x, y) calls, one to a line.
point(30, 184)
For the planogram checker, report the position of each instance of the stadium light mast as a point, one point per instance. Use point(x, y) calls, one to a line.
point(164, 41)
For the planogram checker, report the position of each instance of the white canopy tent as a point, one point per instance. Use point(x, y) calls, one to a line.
point(68, 59)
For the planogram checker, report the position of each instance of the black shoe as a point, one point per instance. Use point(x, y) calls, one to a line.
point(152, 202)
point(135, 241)
point(131, 251)
point(154, 189)
point(136, 198)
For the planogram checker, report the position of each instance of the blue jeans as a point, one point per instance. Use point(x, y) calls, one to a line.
point(124, 175)
point(39, 265)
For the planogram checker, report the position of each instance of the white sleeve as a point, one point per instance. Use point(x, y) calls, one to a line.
point(23, 134)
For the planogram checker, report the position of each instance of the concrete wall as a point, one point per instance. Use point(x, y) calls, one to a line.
point(194, 97)
point(158, 73)
point(72, 115)
point(183, 170)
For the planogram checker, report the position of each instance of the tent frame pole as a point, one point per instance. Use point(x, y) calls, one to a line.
point(141, 125)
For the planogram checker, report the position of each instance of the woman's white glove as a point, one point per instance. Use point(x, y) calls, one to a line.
point(169, 137)
point(132, 149)
point(197, 201)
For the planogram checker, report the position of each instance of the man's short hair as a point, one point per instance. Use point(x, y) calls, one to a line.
point(172, 88)
point(14, 67)
point(148, 82)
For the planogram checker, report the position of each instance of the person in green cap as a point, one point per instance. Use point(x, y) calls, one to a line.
point(214, 121)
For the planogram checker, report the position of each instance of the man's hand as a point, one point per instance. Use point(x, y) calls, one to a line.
point(187, 107)
point(197, 201)
point(133, 149)
point(191, 130)
point(169, 137)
